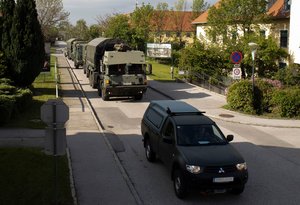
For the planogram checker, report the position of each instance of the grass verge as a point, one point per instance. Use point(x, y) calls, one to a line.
point(28, 177)
point(161, 72)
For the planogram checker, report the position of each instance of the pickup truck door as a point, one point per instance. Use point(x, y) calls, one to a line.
point(167, 143)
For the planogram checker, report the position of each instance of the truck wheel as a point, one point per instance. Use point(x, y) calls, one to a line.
point(87, 73)
point(180, 187)
point(104, 95)
point(84, 70)
point(150, 155)
point(138, 97)
point(76, 66)
point(99, 89)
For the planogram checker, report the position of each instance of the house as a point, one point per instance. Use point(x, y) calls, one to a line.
point(168, 26)
point(294, 36)
point(277, 26)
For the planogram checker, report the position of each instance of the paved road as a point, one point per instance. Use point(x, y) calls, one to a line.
point(271, 153)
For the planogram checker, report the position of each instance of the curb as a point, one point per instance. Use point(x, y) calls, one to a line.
point(227, 120)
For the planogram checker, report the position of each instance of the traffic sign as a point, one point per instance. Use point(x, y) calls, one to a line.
point(236, 57)
point(237, 73)
point(62, 112)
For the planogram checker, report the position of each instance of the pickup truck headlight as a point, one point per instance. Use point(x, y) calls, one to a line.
point(193, 169)
point(241, 166)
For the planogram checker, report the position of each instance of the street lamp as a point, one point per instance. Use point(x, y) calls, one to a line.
point(253, 48)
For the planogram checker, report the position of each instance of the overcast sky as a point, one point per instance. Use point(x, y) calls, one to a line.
point(90, 9)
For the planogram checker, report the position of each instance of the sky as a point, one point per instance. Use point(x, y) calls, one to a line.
point(90, 9)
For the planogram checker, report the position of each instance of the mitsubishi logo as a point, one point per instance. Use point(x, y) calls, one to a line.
point(221, 171)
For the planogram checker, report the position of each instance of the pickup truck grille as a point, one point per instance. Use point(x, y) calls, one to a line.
point(220, 169)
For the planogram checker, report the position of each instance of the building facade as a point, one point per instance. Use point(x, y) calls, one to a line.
point(294, 35)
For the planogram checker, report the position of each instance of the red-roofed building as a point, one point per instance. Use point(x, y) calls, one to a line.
point(172, 25)
point(278, 26)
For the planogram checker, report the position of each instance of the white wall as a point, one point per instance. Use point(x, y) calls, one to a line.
point(294, 38)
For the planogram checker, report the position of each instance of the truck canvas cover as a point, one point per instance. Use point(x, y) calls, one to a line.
point(97, 47)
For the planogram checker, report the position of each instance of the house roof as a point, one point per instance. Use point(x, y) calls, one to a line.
point(169, 21)
point(275, 11)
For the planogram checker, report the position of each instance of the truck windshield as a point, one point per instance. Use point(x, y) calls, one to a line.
point(197, 135)
point(118, 69)
point(135, 69)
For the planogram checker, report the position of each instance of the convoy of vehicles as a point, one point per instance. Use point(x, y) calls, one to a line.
point(194, 149)
point(70, 48)
point(189, 143)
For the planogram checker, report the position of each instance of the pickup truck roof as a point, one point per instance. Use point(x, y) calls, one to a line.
point(181, 112)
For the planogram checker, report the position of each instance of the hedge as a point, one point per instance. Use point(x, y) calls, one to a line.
point(287, 102)
point(6, 108)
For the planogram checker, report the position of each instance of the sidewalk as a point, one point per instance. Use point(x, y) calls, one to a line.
point(212, 103)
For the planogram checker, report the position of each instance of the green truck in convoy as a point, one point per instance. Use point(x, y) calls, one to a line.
point(69, 47)
point(77, 54)
point(114, 69)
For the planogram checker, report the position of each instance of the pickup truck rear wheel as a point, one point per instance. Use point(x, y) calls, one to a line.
point(150, 155)
point(138, 96)
point(180, 186)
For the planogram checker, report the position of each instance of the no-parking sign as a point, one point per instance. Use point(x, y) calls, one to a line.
point(236, 57)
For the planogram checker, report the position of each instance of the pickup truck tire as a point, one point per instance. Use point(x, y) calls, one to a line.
point(150, 155)
point(180, 186)
point(138, 97)
point(237, 191)
point(104, 95)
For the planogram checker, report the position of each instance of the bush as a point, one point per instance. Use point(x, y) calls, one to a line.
point(6, 108)
point(23, 99)
point(287, 102)
point(267, 90)
point(240, 97)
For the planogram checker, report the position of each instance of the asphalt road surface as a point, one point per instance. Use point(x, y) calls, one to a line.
point(272, 155)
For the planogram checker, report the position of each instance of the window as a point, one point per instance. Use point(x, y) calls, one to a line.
point(283, 38)
point(262, 33)
point(287, 5)
point(154, 117)
point(169, 130)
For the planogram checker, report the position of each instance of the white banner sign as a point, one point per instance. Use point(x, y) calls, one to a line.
point(158, 50)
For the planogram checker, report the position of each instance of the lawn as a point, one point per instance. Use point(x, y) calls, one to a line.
point(27, 177)
point(44, 89)
point(161, 72)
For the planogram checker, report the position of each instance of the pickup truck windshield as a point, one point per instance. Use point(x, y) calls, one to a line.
point(196, 135)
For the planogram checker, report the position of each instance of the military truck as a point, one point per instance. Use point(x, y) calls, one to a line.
point(69, 47)
point(74, 48)
point(78, 56)
point(114, 69)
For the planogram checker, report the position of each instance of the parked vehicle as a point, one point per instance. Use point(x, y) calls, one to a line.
point(193, 147)
point(114, 69)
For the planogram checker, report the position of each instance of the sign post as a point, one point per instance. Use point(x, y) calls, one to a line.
point(55, 113)
point(236, 58)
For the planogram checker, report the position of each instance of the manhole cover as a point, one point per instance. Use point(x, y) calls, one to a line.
point(109, 126)
point(226, 115)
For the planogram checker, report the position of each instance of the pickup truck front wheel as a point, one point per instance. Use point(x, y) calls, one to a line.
point(150, 155)
point(180, 186)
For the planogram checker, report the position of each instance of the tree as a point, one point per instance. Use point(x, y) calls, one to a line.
point(94, 31)
point(178, 19)
point(159, 15)
point(141, 23)
point(50, 13)
point(231, 17)
point(118, 27)
point(7, 9)
point(81, 30)
point(198, 7)
point(27, 44)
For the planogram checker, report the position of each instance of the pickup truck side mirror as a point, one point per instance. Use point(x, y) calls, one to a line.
point(229, 138)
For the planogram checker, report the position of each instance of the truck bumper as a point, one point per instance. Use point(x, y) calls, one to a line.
point(119, 91)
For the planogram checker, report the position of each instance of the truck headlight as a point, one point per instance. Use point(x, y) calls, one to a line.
point(193, 169)
point(241, 166)
point(107, 82)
